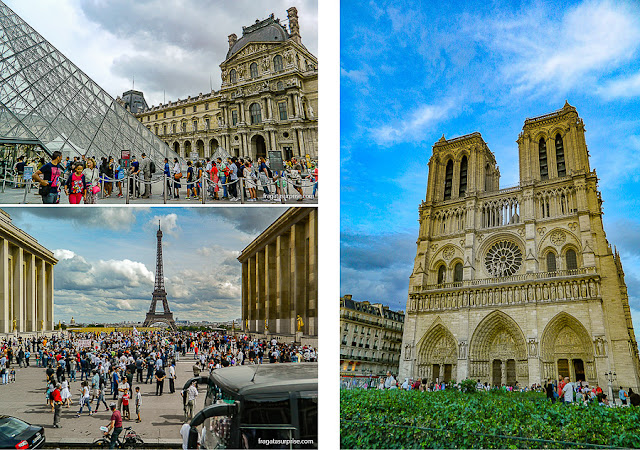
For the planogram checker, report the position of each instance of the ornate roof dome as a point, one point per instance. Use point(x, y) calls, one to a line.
point(267, 30)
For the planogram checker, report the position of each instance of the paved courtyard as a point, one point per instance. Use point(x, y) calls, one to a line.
point(162, 416)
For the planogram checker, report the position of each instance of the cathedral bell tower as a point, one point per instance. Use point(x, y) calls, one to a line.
point(553, 146)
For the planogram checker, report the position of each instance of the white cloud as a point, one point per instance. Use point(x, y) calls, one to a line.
point(417, 125)
point(624, 87)
point(168, 223)
point(540, 52)
point(356, 76)
point(62, 254)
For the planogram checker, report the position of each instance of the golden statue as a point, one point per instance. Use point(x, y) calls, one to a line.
point(246, 323)
point(300, 323)
point(41, 325)
point(15, 324)
point(266, 326)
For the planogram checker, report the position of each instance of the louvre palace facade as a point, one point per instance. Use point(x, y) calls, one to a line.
point(517, 284)
point(268, 100)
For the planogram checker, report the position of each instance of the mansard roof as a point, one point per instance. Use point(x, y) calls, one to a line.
point(267, 30)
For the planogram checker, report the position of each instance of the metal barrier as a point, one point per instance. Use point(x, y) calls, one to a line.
point(497, 439)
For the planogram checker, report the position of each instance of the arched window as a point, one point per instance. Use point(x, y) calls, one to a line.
point(442, 271)
point(232, 76)
point(562, 170)
point(572, 260)
point(457, 272)
point(542, 154)
point(277, 63)
point(256, 116)
point(448, 180)
point(551, 262)
point(463, 176)
point(253, 68)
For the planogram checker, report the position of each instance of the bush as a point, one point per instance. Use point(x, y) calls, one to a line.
point(468, 386)
point(393, 418)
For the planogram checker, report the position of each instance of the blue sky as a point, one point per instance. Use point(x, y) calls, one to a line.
point(413, 71)
point(107, 258)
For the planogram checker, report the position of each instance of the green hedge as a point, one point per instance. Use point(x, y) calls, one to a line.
point(388, 419)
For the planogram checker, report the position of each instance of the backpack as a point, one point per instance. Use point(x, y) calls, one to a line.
point(269, 173)
point(152, 167)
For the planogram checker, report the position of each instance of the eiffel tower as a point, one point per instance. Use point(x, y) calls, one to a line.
point(159, 293)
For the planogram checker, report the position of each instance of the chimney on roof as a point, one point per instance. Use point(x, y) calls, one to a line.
point(232, 39)
point(294, 28)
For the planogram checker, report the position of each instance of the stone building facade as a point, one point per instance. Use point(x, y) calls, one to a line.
point(371, 336)
point(280, 278)
point(26, 281)
point(268, 100)
point(517, 284)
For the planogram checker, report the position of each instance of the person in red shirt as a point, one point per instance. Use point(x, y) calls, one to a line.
point(115, 425)
point(57, 402)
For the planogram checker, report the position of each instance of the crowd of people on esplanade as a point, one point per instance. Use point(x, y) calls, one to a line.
point(82, 179)
point(107, 365)
point(561, 390)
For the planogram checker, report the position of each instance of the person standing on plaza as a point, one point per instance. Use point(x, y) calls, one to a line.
point(264, 175)
point(134, 174)
point(233, 178)
point(567, 391)
point(250, 182)
point(190, 181)
point(177, 175)
point(145, 168)
point(48, 176)
point(167, 173)
point(623, 395)
point(123, 388)
point(551, 394)
point(192, 393)
point(92, 177)
point(160, 376)
point(76, 185)
point(56, 399)
point(171, 374)
point(115, 425)
point(223, 173)
point(138, 402)
point(84, 399)
point(213, 176)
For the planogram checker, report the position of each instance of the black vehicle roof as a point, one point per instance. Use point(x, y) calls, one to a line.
point(266, 381)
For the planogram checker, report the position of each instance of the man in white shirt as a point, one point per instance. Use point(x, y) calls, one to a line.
point(171, 374)
point(567, 391)
point(191, 394)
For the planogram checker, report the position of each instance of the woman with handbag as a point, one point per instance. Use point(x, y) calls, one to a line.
point(177, 174)
point(92, 177)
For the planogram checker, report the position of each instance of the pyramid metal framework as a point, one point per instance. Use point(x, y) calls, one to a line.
point(48, 101)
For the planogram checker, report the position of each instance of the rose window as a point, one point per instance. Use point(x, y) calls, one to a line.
point(503, 259)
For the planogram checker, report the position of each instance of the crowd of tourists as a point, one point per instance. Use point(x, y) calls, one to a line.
point(81, 179)
point(561, 390)
point(113, 366)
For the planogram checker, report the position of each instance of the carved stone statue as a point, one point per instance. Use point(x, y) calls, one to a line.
point(533, 348)
point(407, 352)
point(462, 350)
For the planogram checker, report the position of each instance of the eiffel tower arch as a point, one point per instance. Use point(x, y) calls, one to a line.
point(159, 294)
point(46, 101)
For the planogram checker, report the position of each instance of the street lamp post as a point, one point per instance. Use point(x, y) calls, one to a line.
point(611, 377)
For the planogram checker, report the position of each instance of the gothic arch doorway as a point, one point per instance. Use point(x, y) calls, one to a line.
point(437, 355)
point(258, 147)
point(567, 350)
point(497, 352)
point(176, 147)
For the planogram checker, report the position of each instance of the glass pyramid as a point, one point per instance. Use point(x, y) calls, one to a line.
point(46, 99)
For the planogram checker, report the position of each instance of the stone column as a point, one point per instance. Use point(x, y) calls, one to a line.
point(283, 283)
point(245, 296)
point(503, 370)
point(41, 300)
point(312, 306)
point(300, 139)
point(272, 135)
point(18, 289)
point(260, 298)
point(295, 273)
point(31, 322)
point(5, 295)
point(270, 287)
point(49, 321)
point(251, 296)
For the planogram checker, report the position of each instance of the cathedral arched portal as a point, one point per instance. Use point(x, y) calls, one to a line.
point(497, 353)
point(437, 355)
point(567, 350)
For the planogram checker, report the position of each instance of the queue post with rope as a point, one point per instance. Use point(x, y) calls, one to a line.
point(129, 186)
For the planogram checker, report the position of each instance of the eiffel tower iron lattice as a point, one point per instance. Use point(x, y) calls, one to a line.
point(47, 100)
point(159, 293)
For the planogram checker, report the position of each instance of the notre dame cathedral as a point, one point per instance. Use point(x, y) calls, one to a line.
point(517, 284)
